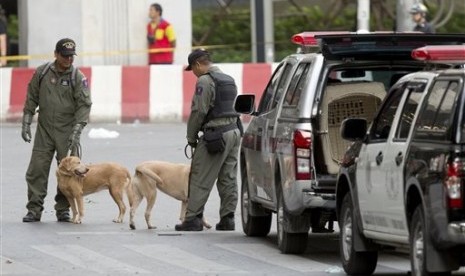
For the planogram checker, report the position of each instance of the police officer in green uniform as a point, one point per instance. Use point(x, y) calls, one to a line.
point(213, 115)
point(61, 93)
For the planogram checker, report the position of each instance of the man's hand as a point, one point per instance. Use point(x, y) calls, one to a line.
point(26, 128)
point(75, 136)
point(150, 39)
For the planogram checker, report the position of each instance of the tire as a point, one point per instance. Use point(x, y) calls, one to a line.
point(253, 226)
point(418, 246)
point(288, 243)
point(353, 262)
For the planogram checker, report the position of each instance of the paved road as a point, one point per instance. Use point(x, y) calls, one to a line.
point(100, 247)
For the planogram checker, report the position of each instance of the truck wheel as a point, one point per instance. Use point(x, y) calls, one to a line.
point(353, 262)
point(254, 226)
point(288, 243)
point(418, 246)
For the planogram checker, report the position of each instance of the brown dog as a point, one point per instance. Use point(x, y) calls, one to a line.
point(76, 180)
point(170, 178)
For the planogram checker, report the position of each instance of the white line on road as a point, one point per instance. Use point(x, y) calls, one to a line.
point(178, 257)
point(271, 255)
point(88, 259)
point(94, 233)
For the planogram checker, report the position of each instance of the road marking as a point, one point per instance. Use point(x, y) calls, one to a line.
point(269, 254)
point(11, 267)
point(180, 258)
point(94, 233)
point(88, 259)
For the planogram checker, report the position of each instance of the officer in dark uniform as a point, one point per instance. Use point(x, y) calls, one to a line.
point(62, 94)
point(418, 12)
point(216, 151)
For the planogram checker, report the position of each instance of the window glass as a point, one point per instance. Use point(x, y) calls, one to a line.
point(294, 85)
point(408, 114)
point(300, 86)
point(268, 93)
point(437, 116)
point(281, 86)
point(382, 124)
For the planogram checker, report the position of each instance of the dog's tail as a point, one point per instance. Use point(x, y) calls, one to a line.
point(153, 178)
point(129, 189)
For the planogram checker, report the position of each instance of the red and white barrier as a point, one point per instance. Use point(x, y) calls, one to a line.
point(127, 93)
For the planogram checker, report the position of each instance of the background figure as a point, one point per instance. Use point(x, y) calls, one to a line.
point(3, 37)
point(216, 152)
point(61, 92)
point(160, 36)
point(418, 12)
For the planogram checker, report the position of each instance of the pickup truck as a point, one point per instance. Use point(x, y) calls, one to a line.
point(291, 150)
point(401, 184)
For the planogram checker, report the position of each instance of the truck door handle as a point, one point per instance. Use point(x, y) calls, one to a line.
point(399, 158)
point(379, 158)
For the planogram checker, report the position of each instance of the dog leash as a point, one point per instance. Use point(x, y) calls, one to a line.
point(78, 151)
point(185, 152)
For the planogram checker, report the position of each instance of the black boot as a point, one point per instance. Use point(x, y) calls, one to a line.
point(226, 223)
point(63, 216)
point(190, 224)
point(30, 217)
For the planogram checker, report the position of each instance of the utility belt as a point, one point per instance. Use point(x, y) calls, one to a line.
point(213, 137)
point(221, 129)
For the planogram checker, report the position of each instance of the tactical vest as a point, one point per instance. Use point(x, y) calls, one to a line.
point(225, 95)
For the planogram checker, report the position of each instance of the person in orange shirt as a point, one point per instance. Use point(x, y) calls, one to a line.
point(160, 36)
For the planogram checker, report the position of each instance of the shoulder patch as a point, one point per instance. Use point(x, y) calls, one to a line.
point(198, 90)
point(85, 82)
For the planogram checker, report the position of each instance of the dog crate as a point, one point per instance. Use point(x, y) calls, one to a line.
point(342, 101)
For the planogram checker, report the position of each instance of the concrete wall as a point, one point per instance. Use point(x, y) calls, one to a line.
point(107, 32)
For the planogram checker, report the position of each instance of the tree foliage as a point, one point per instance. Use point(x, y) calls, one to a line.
point(226, 32)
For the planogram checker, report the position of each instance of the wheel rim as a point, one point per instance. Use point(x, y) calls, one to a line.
point(245, 204)
point(245, 198)
point(418, 252)
point(347, 235)
point(279, 220)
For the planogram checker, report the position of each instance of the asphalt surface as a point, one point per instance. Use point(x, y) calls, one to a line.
point(100, 247)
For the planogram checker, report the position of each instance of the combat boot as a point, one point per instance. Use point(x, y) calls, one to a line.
point(226, 223)
point(190, 224)
point(63, 216)
point(30, 217)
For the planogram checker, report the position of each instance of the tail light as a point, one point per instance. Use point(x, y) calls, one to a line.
point(453, 185)
point(302, 155)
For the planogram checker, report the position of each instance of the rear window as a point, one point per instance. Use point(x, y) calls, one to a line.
point(434, 123)
point(382, 46)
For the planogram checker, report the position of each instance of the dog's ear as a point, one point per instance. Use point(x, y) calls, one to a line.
point(65, 164)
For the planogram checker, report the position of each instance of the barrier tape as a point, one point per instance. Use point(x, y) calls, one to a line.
point(119, 52)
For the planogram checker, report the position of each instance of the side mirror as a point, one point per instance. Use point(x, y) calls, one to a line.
point(354, 129)
point(245, 104)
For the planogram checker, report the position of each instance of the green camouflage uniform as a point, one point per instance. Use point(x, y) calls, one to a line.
point(206, 167)
point(61, 106)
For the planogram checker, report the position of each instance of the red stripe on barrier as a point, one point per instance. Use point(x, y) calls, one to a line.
point(135, 93)
point(20, 78)
point(255, 77)
point(188, 87)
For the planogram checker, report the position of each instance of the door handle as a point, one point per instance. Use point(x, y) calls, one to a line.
point(379, 158)
point(399, 158)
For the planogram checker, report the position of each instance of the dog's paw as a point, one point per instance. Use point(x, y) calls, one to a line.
point(132, 226)
point(118, 221)
point(207, 225)
point(152, 227)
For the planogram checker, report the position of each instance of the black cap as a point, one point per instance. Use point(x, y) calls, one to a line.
point(194, 56)
point(66, 47)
